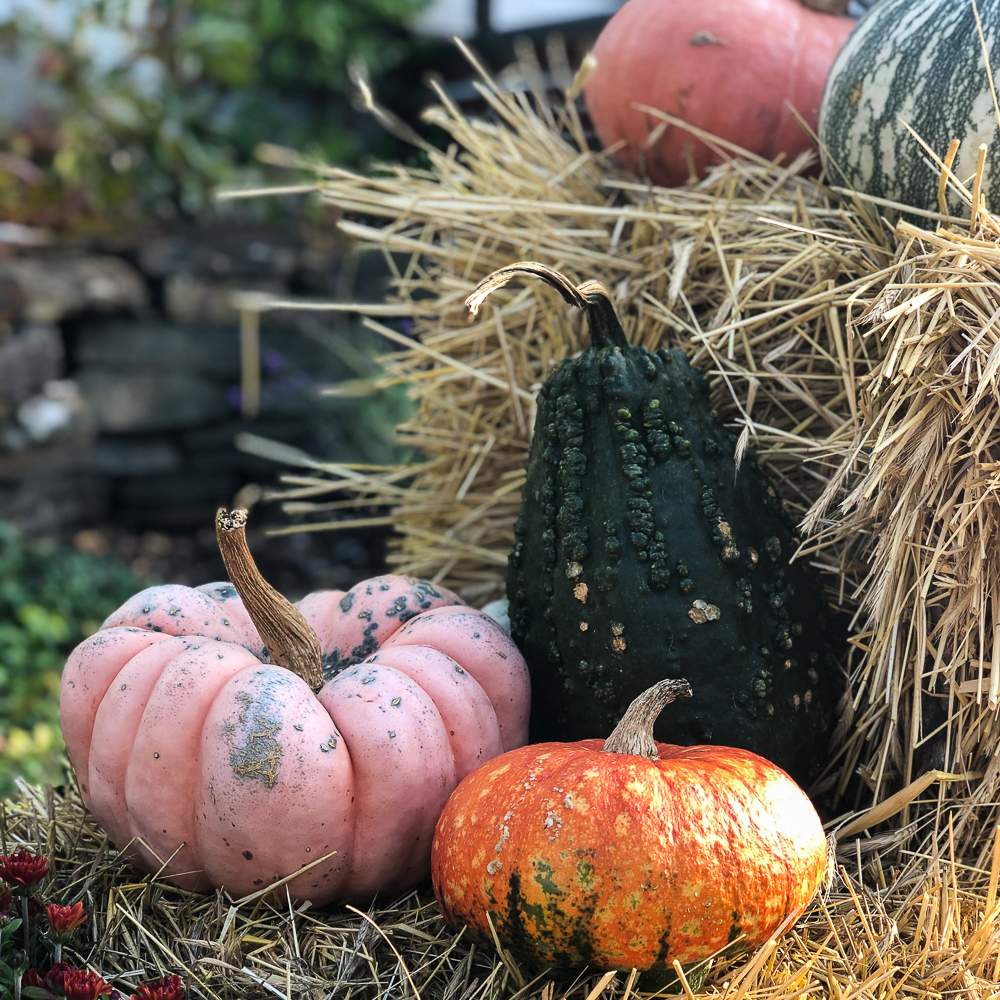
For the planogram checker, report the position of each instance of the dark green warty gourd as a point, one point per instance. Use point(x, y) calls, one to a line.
point(640, 553)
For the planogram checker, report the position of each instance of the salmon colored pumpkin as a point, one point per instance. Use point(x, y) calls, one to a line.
point(627, 853)
point(226, 738)
point(728, 67)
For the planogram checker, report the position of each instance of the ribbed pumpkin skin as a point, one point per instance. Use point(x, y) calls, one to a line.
point(728, 68)
point(632, 514)
point(615, 861)
point(918, 62)
point(232, 768)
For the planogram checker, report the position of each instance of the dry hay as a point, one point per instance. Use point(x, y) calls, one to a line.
point(919, 924)
point(693, 267)
point(923, 484)
point(859, 361)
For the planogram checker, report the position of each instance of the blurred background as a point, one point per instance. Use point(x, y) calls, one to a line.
point(128, 412)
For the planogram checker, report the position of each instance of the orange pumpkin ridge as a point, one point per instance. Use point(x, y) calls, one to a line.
point(586, 857)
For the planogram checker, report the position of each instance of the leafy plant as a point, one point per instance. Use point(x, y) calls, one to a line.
point(12, 959)
point(37, 971)
point(155, 103)
point(50, 599)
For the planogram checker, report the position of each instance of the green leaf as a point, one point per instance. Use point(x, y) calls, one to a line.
point(47, 595)
point(228, 48)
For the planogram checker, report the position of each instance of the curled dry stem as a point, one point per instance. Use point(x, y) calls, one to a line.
point(289, 638)
point(591, 296)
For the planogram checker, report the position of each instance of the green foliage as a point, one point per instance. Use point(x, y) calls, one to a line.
point(297, 43)
point(12, 961)
point(50, 599)
point(159, 102)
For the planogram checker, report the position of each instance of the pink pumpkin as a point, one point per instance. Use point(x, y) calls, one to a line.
point(206, 762)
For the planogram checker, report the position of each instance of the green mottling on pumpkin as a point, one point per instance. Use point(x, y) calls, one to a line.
point(543, 877)
point(535, 912)
point(261, 756)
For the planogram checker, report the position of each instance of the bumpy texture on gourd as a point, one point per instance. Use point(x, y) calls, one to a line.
point(640, 553)
point(917, 63)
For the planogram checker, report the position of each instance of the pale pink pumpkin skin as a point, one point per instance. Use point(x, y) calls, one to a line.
point(730, 69)
point(484, 649)
point(180, 734)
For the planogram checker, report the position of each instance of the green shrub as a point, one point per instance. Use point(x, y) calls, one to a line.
point(157, 103)
point(50, 599)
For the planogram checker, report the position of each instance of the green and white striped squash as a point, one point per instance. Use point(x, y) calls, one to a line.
point(918, 62)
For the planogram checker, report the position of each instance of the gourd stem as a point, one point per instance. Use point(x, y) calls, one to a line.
point(592, 297)
point(289, 638)
point(634, 734)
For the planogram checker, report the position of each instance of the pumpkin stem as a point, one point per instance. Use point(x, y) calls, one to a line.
point(634, 734)
point(289, 638)
point(591, 296)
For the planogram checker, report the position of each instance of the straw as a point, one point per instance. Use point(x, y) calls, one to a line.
point(923, 924)
point(860, 359)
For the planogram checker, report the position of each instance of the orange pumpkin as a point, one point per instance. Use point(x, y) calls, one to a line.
point(728, 67)
point(217, 740)
point(627, 853)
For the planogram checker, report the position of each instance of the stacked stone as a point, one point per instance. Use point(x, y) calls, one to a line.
point(120, 373)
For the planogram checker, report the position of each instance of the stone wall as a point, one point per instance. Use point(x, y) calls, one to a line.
point(120, 392)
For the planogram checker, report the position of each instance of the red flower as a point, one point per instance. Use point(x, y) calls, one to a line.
point(32, 978)
point(82, 984)
point(55, 977)
point(167, 988)
point(63, 920)
point(22, 871)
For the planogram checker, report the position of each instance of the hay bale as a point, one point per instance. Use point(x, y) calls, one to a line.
point(746, 271)
point(803, 306)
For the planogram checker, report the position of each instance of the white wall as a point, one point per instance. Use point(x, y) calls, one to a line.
point(458, 17)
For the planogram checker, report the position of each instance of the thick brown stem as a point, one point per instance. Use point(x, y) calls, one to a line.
point(289, 638)
point(634, 734)
point(591, 296)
